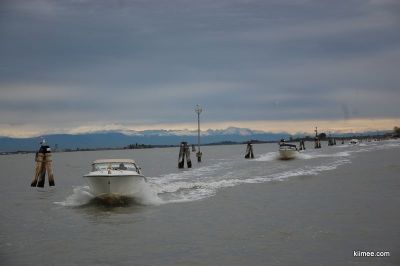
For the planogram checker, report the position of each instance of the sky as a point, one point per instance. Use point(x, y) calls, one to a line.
point(273, 65)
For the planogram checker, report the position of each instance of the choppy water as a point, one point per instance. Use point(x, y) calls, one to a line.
point(223, 167)
point(68, 221)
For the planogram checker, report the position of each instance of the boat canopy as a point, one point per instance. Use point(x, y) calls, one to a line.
point(114, 161)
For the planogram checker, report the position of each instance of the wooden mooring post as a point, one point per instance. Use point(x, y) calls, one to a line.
point(43, 165)
point(184, 152)
point(331, 142)
point(302, 146)
point(317, 144)
point(249, 151)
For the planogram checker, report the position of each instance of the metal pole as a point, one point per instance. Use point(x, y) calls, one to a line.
point(198, 111)
point(198, 130)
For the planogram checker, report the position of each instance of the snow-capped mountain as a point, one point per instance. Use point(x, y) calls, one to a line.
point(187, 132)
point(123, 138)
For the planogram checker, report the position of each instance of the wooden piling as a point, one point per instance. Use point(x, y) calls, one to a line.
point(38, 159)
point(49, 169)
point(184, 152)
point(43, 164)
point(302, 145)
point(198, 155)
point(249, 151)
point(317, 144)
point(42, 174)
point(181, 159)
point(188, 161)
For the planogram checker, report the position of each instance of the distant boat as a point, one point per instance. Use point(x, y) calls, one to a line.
point(353, 141)
point(287, 151)
point(115, 177)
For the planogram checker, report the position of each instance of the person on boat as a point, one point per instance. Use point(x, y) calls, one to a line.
point(282, 143)
point(122, 166)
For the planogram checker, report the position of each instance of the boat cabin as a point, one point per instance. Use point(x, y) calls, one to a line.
point(115, 164)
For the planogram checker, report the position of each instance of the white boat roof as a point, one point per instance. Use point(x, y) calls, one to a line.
point(114, 161)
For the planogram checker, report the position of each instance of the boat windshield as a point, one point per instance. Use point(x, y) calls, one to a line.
point(115, 166)
point(288, 145)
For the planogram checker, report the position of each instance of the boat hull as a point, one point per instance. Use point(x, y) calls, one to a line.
point(287, 154)
point(103, 186)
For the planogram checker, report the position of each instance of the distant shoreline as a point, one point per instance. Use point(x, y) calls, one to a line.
point(221, 143)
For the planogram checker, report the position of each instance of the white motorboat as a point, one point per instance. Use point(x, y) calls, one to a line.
point(115, 177)
point(353, 141)
point(287, 151)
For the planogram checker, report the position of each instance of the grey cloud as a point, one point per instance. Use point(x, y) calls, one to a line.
point(154, 60)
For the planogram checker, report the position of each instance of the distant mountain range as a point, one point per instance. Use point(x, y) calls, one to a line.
point(119, 139)
point(124, 138)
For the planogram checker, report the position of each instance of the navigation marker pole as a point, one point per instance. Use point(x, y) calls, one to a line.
point(198, 111)
point(317, 140)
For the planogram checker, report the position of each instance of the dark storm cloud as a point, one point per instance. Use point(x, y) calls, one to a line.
point(153, 61)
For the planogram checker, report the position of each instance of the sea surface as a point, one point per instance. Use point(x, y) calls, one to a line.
point(226, 210)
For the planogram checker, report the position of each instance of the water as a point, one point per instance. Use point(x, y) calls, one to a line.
point(225, 211)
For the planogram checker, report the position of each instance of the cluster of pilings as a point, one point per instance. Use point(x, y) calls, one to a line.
point(184, 154)
point(331, 141)
point(43, 165)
